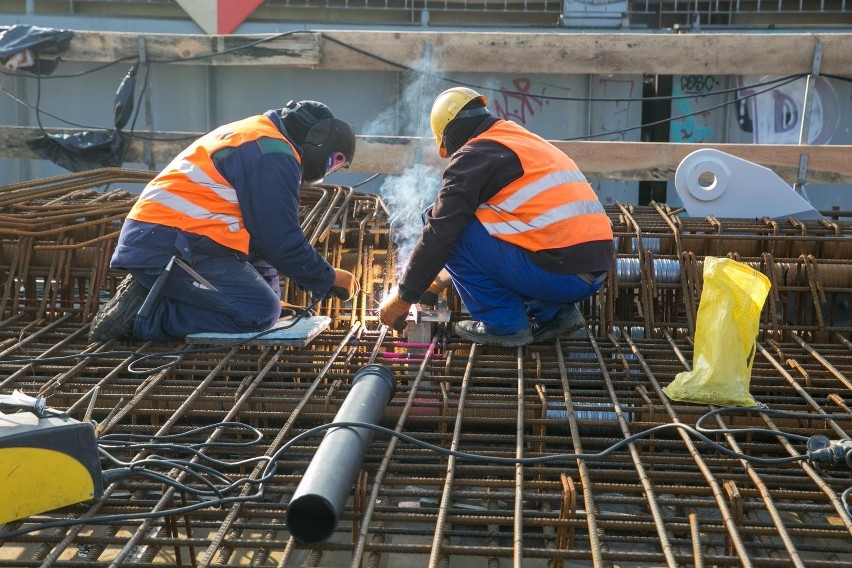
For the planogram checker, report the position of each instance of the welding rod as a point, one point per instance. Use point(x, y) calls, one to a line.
point(321, 495)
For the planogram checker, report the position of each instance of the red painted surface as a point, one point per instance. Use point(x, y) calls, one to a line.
point(232, 13)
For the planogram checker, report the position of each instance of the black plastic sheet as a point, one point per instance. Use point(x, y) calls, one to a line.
point(81, 151)
point(41, 41)
point(91, 149)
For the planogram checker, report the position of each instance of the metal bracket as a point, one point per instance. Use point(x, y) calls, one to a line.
point(817, 59)
point(803, 170)
point(739, 188)
point(146, 100)
point(805, 127)
point(809, 94)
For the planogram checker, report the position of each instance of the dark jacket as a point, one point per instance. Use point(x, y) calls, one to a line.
point(476, 173)
point(267, 186)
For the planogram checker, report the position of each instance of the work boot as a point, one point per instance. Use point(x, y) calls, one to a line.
point(566, 320)
point(115, 318)
point(476, 332)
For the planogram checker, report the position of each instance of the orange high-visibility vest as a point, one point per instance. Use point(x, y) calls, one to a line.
point(551, 205)
point(191, 195)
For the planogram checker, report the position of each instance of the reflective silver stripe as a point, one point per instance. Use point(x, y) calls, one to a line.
point(197, 175)
point(553, 216)
point(188, 208)
point(538, 186)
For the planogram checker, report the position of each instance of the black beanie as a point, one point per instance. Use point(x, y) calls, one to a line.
point(300, 117)
point(460, 129)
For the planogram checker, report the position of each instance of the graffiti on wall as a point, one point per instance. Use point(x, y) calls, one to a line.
point(525, 101)
point(695, 125)
point(775, 116)
point(614, 116)
point(518, 103)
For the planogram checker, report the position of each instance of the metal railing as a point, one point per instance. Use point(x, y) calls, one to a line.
point(652, 14)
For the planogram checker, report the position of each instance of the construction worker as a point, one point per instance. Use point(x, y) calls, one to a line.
point(518, 228)
point(227, 210)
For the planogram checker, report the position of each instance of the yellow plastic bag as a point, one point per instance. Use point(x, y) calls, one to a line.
point(725, 333)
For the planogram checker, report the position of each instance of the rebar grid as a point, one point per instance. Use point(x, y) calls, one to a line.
point(669, 499)
point(57, 236)
point(640, 506)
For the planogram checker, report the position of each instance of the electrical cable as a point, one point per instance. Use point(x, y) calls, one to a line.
point(404, 67)
point(44, 112)
point(369, 179)
point(176, 357)
point(232, 49)
point(87, 126)
point(136, 112)
point(782, 80)
point(790, 79)
point(272, 463)
point(440, 77)
point(162, 443)
point(173, 357)
point(138, 469)
point(183, 487)
point(838, 77)
point(71, 75)
point(37, 105)
point(766, 411)
point(164, 61)
point(127, 438)
point(774, 82)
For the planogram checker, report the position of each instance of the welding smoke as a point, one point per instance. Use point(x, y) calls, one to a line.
point(408, 194)
point(319, 499)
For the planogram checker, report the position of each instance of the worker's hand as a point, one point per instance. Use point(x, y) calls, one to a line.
point(430, 296)
point(393, 310)
point(345, 286)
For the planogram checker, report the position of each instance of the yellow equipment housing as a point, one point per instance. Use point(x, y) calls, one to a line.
point(46, 463)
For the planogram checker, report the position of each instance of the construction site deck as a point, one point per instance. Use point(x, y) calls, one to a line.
point(667, 498)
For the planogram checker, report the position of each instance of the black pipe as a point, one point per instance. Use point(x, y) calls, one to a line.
point(321, 495)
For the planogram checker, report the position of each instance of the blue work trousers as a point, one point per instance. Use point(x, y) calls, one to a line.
point(503, 288)
point(247, 300)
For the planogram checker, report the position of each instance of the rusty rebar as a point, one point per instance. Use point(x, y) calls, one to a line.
point(665, 500)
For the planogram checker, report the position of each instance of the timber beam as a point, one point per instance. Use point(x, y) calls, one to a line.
point(487, 52)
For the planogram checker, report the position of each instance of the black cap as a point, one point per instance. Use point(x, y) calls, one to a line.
point(300, 117)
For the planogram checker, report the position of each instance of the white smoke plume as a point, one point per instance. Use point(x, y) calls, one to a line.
point(408, 194)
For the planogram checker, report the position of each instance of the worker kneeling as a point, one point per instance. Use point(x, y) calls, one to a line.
point(518, 228)
point(226, 210)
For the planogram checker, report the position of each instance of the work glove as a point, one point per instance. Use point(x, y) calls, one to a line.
point(430, 296)
point(393, 310)
point(345, 286)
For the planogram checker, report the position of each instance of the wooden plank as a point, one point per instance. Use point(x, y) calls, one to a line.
point(650, 161)
point(297, 50)
point(595, 53)
point(491, 52)
point(286, 331)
